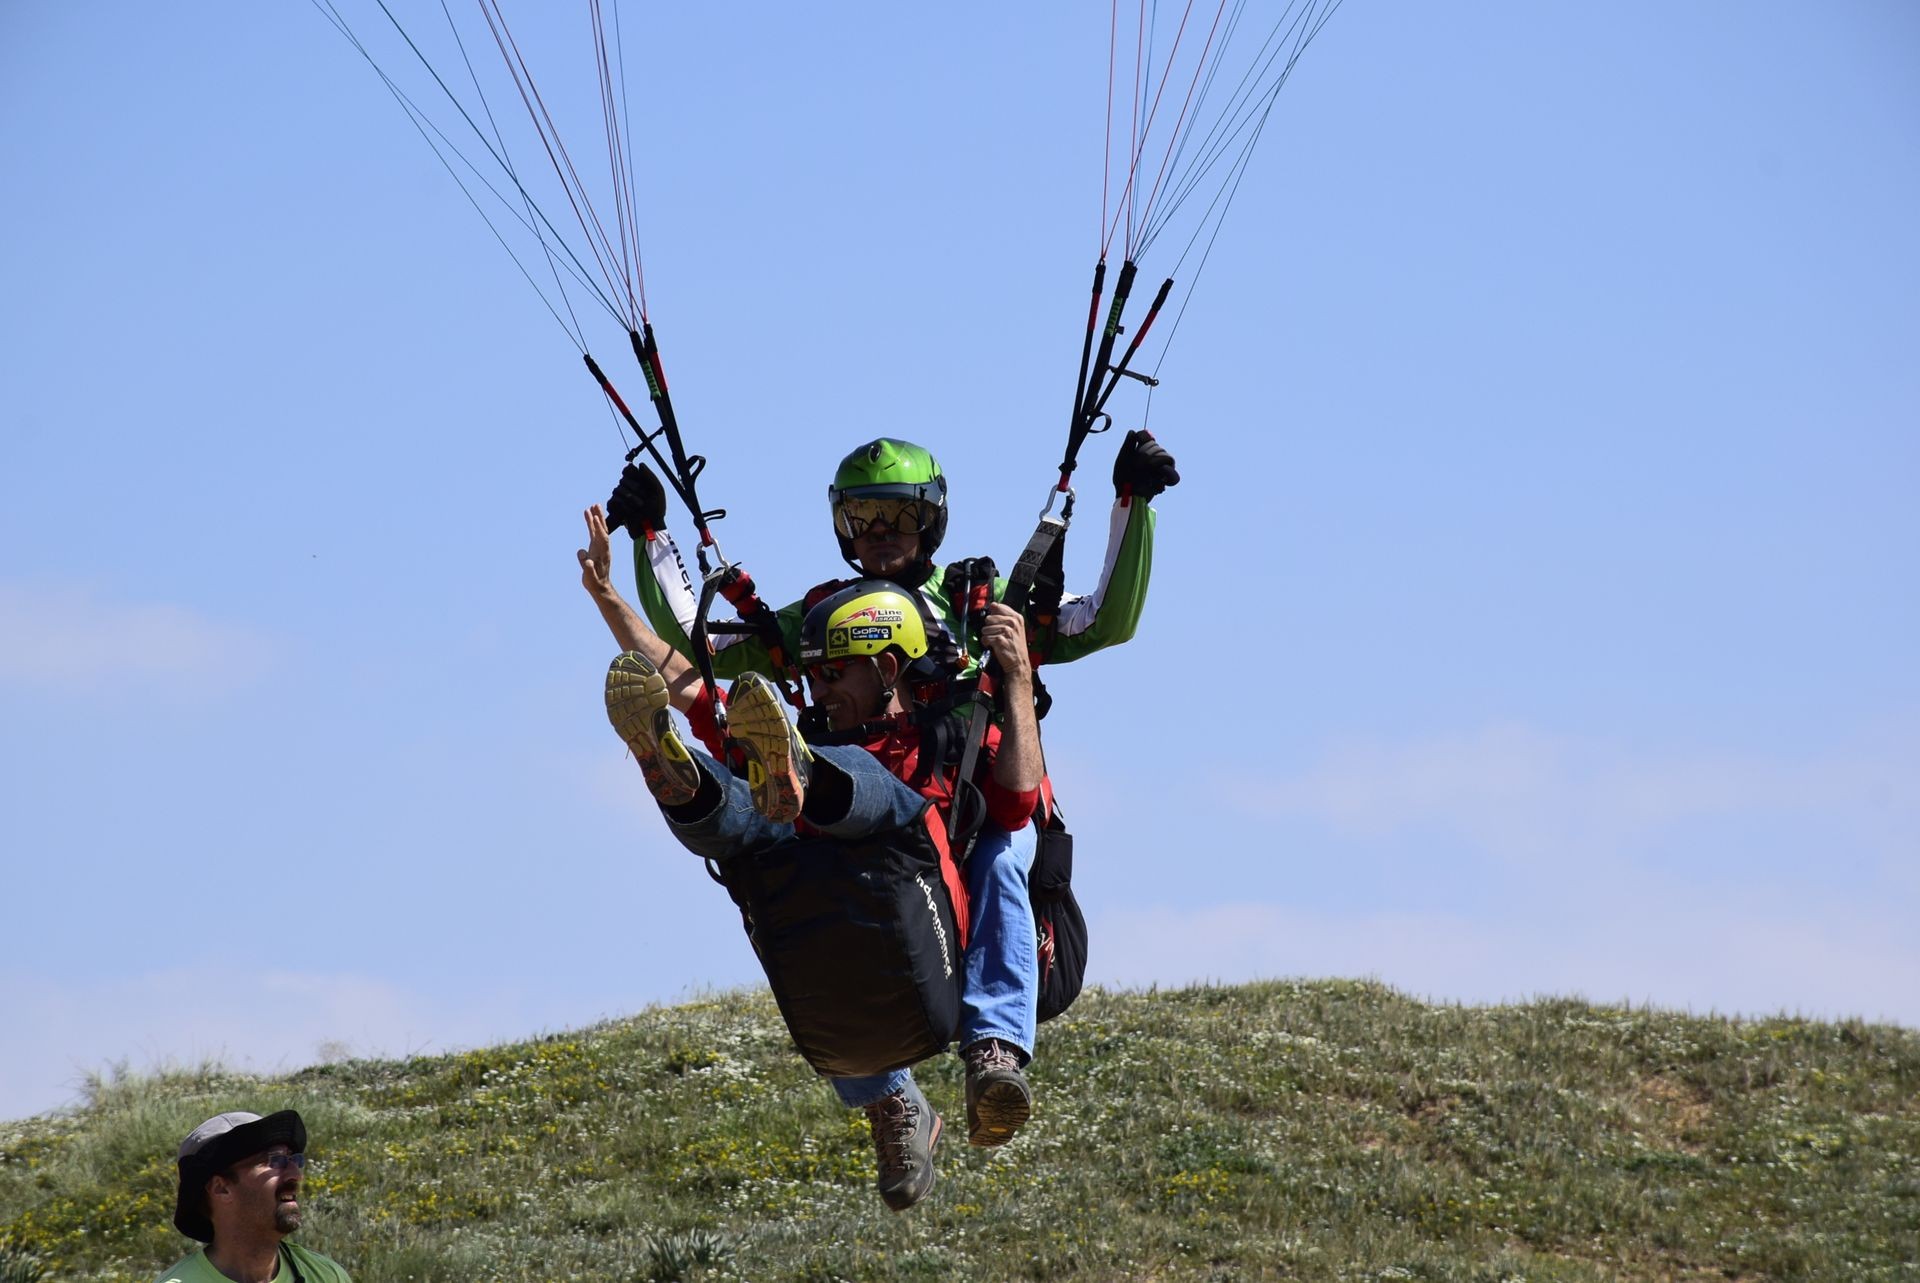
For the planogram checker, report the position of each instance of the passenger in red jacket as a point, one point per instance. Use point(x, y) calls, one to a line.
point(859, 655)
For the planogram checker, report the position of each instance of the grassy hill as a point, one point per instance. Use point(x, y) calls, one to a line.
point(1328, 1130)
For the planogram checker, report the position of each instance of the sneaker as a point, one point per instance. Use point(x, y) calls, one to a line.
point(641, 710)
point(905, 1130)
point(778, 760)
point(998, 1098)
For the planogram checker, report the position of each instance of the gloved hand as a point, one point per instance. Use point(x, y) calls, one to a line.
point(639, 502)
point(1143, 467)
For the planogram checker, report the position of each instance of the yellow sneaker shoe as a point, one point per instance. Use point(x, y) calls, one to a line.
point(641, 710)
point(778, 760)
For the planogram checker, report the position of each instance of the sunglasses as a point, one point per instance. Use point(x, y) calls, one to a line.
point(854, 515)
point(830, 671)
point(278, 1162)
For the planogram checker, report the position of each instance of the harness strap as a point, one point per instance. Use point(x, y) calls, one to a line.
point(971, 813)
point(1049, 586)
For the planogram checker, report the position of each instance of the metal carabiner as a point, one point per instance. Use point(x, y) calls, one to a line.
point(1054, 492)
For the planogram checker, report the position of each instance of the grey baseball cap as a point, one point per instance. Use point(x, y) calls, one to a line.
point(217, 1144)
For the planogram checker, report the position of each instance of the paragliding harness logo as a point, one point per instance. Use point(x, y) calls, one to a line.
point(939, 927)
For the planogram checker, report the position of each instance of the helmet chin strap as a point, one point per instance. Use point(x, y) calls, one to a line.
point(888, 687)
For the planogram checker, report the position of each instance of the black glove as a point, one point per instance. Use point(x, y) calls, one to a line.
point(639, 502)
point(1143, 467)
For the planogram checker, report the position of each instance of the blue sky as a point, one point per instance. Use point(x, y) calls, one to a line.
point(1537, 614)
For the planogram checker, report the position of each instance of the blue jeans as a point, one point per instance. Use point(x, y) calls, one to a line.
point(1002, 992)
point(880, 802)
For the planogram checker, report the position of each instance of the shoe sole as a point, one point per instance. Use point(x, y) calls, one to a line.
point(1000, 1110)
point(932, 1174)
point(640, 709)
point(760, 726)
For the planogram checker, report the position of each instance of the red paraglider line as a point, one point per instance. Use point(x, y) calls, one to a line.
point(1185, 106)
point(1133, 168)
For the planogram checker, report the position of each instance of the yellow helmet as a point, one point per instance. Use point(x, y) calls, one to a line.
point(868, 618)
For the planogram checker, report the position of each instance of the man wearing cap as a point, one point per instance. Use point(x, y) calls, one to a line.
point(239, 1194)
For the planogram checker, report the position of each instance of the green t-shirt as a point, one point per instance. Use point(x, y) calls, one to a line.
point(312, 1268)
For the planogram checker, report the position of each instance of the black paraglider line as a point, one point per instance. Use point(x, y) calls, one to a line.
point(626, 124)
point(597, 239)
point(1237, 173)
point(1106, 156)
point(618, 157)
point(416, 118)
point(493, 124)
point(1134, 247)
point(422, 122)
point(1248, 109)
point(1138, 126)
point(1242, 120)
point(1231, 121)
point(576, 333)
point(1190, 174)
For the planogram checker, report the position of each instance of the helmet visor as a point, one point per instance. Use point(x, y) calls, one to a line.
point(855, 514)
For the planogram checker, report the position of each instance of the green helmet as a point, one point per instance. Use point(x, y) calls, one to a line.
point(890, 474)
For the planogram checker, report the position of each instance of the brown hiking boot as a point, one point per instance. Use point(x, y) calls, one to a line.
point(998, 1098)
point(641, 710)
point(778, 761)
point(905, 1130)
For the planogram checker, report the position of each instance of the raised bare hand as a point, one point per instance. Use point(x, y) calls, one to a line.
point(596, 559)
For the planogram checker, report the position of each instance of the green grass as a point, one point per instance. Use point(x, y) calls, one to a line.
point(1327, 1130)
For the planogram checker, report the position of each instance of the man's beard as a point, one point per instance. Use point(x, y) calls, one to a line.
point(286, 1219)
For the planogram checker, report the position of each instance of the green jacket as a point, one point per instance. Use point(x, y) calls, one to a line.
point(312, 1267)
point(1087, 622)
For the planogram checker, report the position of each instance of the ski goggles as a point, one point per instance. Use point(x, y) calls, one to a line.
point(854, 515)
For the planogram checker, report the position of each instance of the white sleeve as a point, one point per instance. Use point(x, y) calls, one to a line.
point(670, 573)
point(1077, 611)
point(677, 592)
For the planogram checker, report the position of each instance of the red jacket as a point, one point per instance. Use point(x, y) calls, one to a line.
point(899, 751)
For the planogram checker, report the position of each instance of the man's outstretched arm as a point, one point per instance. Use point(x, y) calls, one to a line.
point(628, 629)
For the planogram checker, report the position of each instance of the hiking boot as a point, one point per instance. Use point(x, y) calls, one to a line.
point(998, 1098)
point(905, 1130)
point(641, 710)
point(778, 760)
